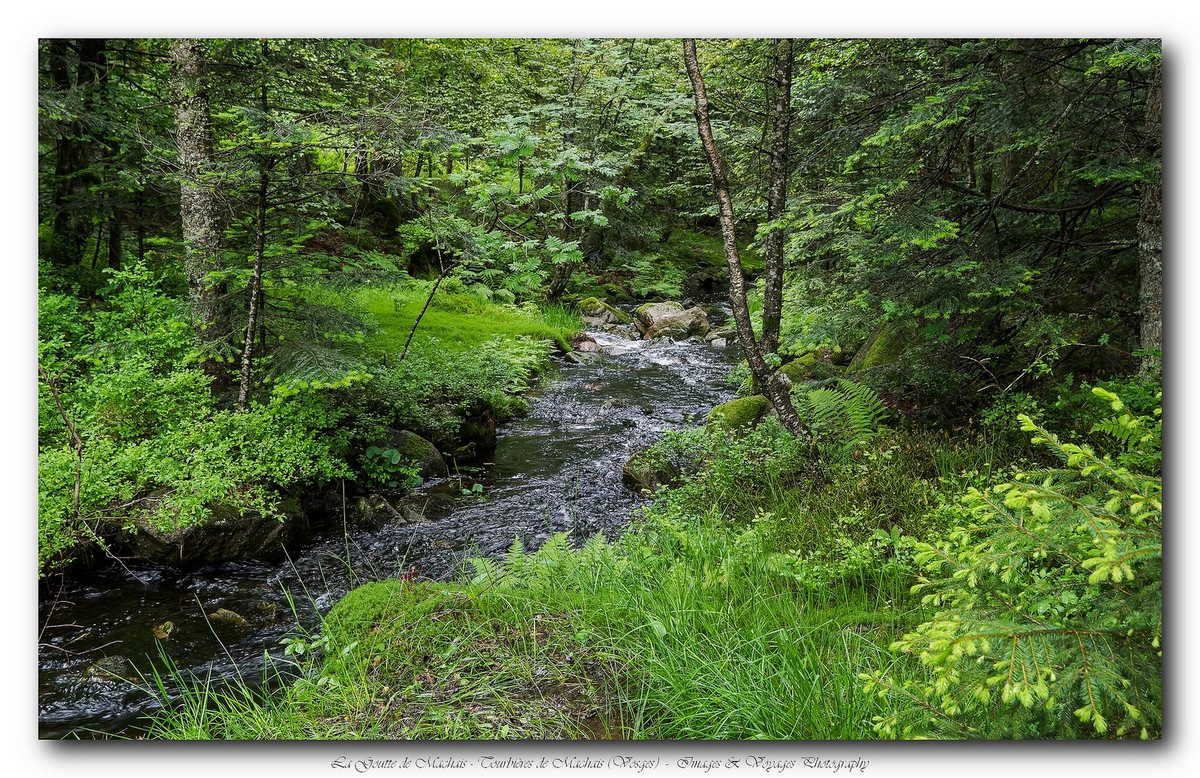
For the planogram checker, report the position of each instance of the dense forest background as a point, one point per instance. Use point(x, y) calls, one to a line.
point(980, 200)
point(935, 248)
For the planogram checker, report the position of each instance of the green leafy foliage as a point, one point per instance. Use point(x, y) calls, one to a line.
point(154, 439)
point(1049, 597)
point(386, 468)
point(953, 204)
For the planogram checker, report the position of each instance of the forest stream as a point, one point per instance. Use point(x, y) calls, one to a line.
point(558, 469)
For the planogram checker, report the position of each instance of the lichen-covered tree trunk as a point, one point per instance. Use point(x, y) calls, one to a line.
point(775, 386)
point(1150, 230)
point(781, 121)
point(199, 215)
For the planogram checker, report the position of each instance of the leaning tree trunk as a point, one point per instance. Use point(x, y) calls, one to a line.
point(1150, 231)
point(775, 387)
point(781, 119)
point(199, 215)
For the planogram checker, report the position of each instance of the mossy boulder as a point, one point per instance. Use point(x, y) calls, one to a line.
point(416, 449)
point(810, 367)
point(884, 347)
point(226, 535)
point(596, 312)
point(647, 470)
point(740, 413)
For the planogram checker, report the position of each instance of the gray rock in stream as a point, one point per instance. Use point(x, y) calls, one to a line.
point(376, 510)
point(582, 357)
point(670, 320)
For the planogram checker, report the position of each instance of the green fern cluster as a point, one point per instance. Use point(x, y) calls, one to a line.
point(843, 416)
point(1050, 599)
point(554, 564)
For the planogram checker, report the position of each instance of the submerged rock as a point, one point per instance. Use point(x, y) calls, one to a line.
point(582, 357)
point(110, 668)
point(226, 616)
point(375, 510)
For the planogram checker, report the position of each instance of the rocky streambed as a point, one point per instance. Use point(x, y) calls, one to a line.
point(556, 470)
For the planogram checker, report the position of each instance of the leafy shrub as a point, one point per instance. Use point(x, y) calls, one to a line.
point(153, 438)
point(1050, 600)
point(433, 387)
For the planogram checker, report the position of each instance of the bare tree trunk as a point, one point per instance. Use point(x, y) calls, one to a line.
point(199, 217)
point(254, 293)
point(775, 387)
point(1150, 232)
point(115, 240)
point(781, 114)
point(260, 250)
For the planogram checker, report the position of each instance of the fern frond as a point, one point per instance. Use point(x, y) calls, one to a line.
point(844, 415)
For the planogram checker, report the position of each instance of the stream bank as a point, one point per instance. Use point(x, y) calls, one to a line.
point(558, 469)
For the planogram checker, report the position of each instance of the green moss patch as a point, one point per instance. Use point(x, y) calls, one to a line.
point(810, 367)
point(740, 413)
point(594, 306)
point(884, 347)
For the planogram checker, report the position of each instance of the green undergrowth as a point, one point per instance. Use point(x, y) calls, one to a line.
point(769, 595)
point(721, 613)
point(676, 631)
point(843, 515)
point(128, 428)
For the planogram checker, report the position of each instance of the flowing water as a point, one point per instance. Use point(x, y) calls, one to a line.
point(556, 470)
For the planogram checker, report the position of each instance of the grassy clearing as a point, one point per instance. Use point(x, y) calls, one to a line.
point(457, 321)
